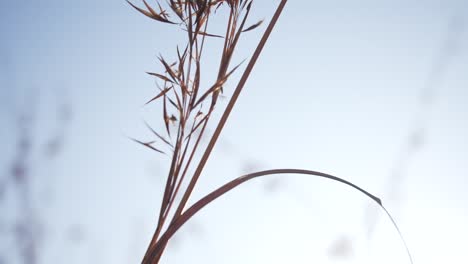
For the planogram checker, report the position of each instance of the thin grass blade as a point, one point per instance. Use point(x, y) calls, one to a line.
point(162, 93)
point(148, 145)
point(254, 26)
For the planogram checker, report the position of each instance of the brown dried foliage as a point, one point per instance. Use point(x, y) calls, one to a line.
point(187, 106)
point(184, 101)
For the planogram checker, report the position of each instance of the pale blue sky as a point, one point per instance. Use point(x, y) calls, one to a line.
point(336, 89)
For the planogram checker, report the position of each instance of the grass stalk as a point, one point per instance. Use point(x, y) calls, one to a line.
point(187, 104)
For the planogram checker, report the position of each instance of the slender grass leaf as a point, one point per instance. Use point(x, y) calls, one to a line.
point(172, 102)
point(148, 145)
point(254, 26)
point(209, 34)
point(179, 106)
point(163, 92)
point(203, 33)
point(165, 116)
point(151, 13)
point(196, 207)
point(159, 136)
point(160, 76)
point(163, 12)
point(169, 69)
point(196, 83)
point(217, 86)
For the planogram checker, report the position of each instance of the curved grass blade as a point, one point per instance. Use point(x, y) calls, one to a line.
point(399, 233)
point(196, 207)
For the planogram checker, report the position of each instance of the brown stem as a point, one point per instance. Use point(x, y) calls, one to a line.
point(229, 108)
point(155, 255)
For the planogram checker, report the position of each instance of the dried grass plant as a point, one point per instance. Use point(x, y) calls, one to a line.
point(188, 106)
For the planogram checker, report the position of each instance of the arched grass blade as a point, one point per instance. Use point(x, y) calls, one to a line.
point(196, 207)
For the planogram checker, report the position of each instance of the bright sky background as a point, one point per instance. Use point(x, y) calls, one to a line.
point(337, 89)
